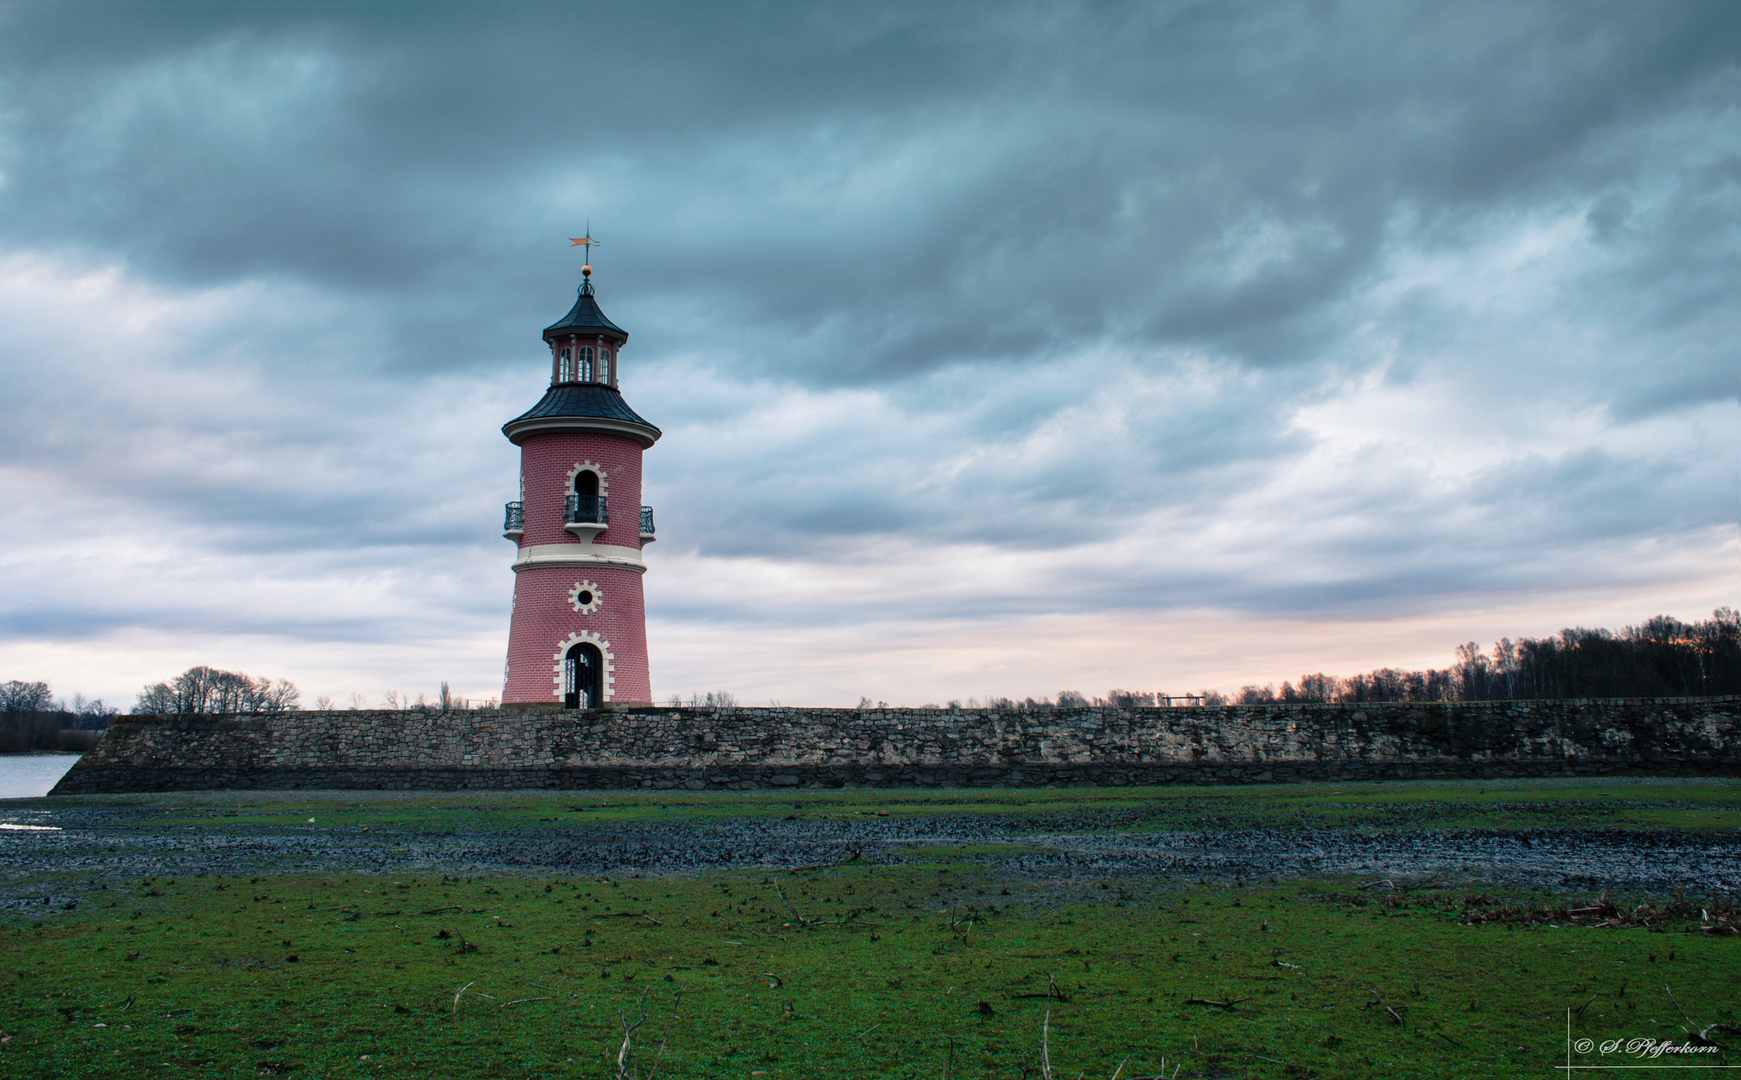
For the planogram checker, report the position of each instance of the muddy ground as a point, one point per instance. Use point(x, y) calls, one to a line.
point(103, 844)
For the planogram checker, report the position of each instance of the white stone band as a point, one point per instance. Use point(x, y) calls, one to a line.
point(535, 555)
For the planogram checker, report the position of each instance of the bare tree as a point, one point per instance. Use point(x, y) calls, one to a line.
point(207, 690)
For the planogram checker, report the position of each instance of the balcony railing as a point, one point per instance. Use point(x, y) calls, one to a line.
point(646, 521)
point(514, 520)
point(586, 509)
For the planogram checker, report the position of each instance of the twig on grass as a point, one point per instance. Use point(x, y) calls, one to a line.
point(1229, 1004)
point(781, 893)
point(812, 924)
point(664, 1036)
point(522, 1001)
point(623, 1066)
point(1379, 1002)
point(1045, 1048)
point(955, 922)
point(627, 1066)
point(1700, 1036)
point(461, 994)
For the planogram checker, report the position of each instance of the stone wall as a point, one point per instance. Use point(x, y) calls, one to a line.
point(776, 747)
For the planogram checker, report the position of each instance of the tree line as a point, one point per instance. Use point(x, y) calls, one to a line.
point(32, 719)
point(1660, 657)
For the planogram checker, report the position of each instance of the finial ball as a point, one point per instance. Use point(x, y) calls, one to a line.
point(586, 271)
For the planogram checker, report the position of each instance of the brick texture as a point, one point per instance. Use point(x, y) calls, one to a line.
point(543, 616)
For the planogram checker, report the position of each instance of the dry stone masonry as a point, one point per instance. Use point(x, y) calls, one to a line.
point(644, 747)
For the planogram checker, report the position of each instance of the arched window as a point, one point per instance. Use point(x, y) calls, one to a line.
point(604, 366)
point(583, 370)
point(585, 505)
point(565, 369)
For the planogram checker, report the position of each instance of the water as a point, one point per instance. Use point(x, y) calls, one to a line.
point(29, 776)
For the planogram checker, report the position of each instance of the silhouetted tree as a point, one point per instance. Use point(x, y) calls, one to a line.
point(208, 690)
point(1661, 657)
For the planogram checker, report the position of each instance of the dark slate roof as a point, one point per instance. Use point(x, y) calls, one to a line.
point(583, 399)
point(586, 318)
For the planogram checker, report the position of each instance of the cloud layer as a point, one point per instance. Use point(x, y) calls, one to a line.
point(999, 349)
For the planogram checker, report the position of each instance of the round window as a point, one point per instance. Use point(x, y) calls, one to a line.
point(586, 596)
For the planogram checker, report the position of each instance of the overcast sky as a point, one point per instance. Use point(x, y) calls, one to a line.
point(999, 349)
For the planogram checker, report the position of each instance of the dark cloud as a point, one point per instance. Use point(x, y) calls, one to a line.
point(923, 186)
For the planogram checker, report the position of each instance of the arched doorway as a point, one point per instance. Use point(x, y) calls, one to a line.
point(583, 676)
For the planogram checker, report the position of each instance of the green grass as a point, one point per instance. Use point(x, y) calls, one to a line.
point(356, 975)
point(1613, 803)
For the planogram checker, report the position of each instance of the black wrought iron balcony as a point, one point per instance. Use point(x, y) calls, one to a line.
point(646, 522)
point(586, 510)
point(514, 520)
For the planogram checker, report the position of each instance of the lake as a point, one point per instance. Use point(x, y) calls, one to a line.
point(29, 776)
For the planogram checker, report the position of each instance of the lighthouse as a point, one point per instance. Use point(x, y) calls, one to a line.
point(578, 633)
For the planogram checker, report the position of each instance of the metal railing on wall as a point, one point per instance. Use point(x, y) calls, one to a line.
point(586, 509)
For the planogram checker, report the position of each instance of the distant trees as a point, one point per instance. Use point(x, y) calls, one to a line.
point(1661, 657)
point(208, 690)
point(22, 697)
point(31, 719)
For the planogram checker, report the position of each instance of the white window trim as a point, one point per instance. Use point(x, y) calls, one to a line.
point(587, 466)
point(607, 682)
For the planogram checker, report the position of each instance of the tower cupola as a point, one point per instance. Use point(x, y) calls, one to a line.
point(585, 354)
point(583, 343)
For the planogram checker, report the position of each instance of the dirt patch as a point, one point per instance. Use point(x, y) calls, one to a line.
point(107, 843)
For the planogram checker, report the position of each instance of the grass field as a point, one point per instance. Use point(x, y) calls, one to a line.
point(945, 964)
point(1619, 803)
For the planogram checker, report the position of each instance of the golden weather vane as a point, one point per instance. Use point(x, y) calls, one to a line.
point(588, 243)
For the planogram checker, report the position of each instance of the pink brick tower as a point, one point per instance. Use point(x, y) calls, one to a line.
point(579, 630)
